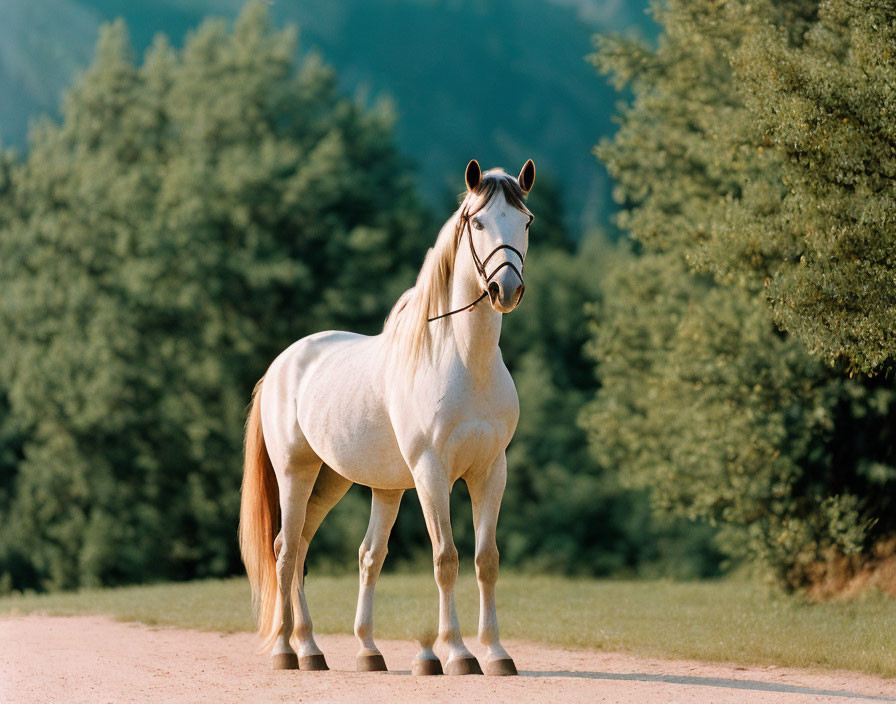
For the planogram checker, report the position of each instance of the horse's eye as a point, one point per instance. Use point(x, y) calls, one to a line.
point(477, 223)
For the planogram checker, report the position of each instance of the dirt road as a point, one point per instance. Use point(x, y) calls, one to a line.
point(96, 660)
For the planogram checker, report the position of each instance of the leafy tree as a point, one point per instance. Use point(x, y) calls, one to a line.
point(188, 219)
point(566, 509)
point(705, 399)
point(803, 92)
point(819, 240)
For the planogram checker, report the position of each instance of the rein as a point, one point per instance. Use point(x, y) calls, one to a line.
point(480, 267)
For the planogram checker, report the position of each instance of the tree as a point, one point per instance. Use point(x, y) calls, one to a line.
point(724, 414)
point(805, 151)
point(188, 219)
point(821, 242)
point(565, 508)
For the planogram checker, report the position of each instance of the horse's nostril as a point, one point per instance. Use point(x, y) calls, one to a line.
point(494, 290)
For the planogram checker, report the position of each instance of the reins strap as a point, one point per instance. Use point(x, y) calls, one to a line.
point(445, 315)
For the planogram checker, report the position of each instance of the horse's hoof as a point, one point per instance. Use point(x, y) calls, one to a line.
point(504, 666)
point(313, 662)
point(426, 666)
point(373, 662)
point(285, 661)
point(464, 666)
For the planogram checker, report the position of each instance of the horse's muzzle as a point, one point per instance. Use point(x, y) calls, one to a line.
point(505, 291)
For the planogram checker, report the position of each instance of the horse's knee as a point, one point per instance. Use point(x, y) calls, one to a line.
point(487, 564)
point(370, 560)
point(446, 565)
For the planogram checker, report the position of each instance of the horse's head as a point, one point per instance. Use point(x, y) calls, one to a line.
point(496, 220)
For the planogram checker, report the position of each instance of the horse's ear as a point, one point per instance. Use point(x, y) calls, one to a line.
point(473, 175)
point(527, 176)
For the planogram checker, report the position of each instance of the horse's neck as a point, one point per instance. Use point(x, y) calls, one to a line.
point(476, 333)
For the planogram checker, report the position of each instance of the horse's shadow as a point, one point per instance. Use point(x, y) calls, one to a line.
point(748, 685)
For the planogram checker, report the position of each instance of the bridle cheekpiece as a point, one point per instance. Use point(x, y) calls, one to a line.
point(480, 264)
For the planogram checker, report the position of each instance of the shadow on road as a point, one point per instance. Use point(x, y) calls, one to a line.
point(753, 685)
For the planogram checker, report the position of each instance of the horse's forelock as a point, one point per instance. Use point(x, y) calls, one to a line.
point(488, 186)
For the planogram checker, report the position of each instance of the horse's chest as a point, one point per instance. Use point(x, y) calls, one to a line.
point(473, 444)
point(466, 427)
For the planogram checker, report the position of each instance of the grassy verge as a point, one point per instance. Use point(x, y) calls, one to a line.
point(726, 621)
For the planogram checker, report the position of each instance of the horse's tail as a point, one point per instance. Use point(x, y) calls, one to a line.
point(259, 516)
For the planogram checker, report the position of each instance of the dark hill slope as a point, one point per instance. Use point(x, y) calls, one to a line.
point(501, 81)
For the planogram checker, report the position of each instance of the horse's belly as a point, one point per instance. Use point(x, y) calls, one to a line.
point(341, 414)
point(366, 456)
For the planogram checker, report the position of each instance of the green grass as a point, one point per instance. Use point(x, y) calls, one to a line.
point(727, 621)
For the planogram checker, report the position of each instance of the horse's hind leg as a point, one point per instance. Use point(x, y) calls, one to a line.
point(383, 510)
point(295, 486)
point(329, 488)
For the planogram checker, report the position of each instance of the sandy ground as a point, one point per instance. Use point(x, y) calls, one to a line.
point(96, 660)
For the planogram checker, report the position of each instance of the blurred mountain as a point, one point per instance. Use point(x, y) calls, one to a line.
point(499, 81)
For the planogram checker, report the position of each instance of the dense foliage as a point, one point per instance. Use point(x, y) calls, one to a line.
point(819, 237)
point(192, 215)
point(759, 191)
point(187, 220)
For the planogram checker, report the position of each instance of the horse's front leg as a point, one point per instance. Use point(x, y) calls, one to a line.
point(433, 489)
point(383, 511)
point(486, 490)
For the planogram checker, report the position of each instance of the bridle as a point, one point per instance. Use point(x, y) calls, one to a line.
point(481, 263)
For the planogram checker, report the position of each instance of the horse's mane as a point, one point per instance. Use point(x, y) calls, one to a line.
point(408, 326)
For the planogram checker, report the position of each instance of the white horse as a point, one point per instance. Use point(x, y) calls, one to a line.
point(425, 403)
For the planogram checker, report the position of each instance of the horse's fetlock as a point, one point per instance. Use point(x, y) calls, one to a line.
point(363, 630)
point(302, 630)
